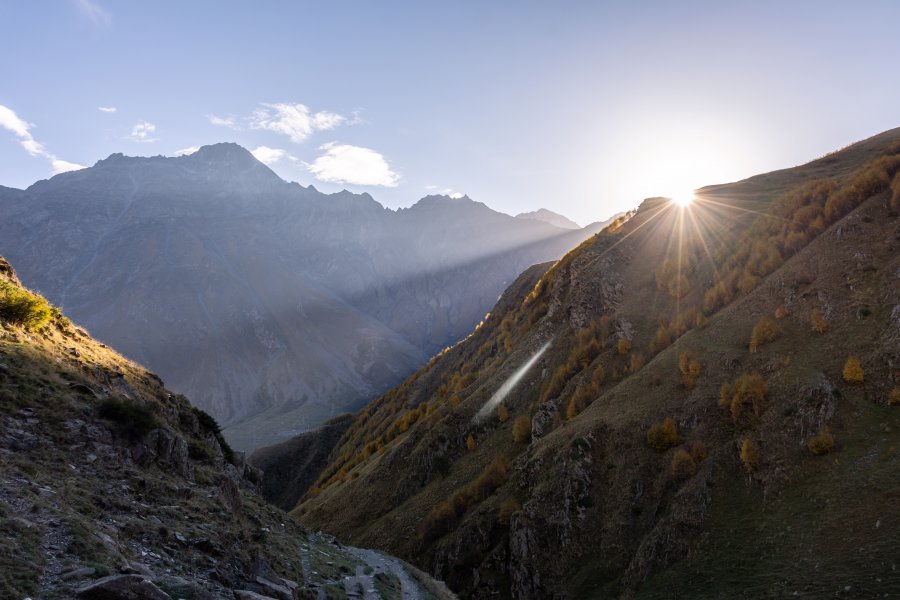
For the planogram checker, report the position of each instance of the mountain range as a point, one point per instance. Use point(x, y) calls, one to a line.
point(271, 305)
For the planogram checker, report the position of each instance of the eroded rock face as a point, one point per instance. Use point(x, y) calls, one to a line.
point(122, 587)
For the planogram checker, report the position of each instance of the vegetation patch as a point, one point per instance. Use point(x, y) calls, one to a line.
point(130, 419)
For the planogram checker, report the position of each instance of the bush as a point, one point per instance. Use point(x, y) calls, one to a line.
point(818, 321)
point(853, 371)
point(764, 331)
point(502, 413)
point(749, 455)
point(470, 443)
point(521, 430)
point(131, 419)
point(698, 451)
point(209, 423)
point(623, 346)
point(745, 389)
point(21, 307)
point(663, 436)
point(509, 507)
point(683, 464)
point(822, 442)
point(894, 397)
point(199, 450)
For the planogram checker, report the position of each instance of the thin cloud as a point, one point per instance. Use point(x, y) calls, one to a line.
point(229, 121)
point(267, 155)
point(294, 120)
point(10, 121)
point(92, 11)
point(187, 151)
point(142, 131)
point(435, 189)
point(107, 109)
point(343, 163)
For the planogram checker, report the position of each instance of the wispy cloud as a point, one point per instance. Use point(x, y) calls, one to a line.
point(228, 121)
point(343, 163)
point(267, 155)
point(142, 131)
point(92, 11)
point(107, 109)
point(294, 120)
point(186, 151)
point(436, 189)
point(10, 121)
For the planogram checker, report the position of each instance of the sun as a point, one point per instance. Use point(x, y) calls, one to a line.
point(683, 198)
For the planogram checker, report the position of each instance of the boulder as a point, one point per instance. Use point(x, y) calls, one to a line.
point(122, 587)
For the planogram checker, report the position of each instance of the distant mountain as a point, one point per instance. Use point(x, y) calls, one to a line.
point(548, 216)
point(271, 305)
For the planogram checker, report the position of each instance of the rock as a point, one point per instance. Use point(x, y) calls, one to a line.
point(182, 588)
point(248, 595)
point(122, 587)
point(230, 495)
point(275, 590)
point(80, 573)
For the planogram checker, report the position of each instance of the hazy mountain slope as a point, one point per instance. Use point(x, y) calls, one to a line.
point(548, 216)
point(272, 305)
point(584, 490)
point(113, 487)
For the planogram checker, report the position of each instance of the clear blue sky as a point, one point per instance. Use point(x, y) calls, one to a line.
point(583, 108)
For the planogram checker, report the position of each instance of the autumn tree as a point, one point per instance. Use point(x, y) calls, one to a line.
point(764, 331)
point(698, 451)
point(509, 507)
point(663, 435)
point(818, 321)
point(822, 442)
point(746, 389)
point(470, 442)
point(683, 465)
point(521, 430)
point(894, 397)
point(749, 455)
point(623, 346)
point(853, 371)
point(502, 413)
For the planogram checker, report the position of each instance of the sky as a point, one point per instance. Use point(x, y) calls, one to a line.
point(584, 108)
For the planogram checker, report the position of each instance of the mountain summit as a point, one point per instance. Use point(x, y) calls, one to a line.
point(272, 305)
point(548, 216)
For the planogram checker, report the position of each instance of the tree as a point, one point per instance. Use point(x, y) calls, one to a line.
point(683, 464)
point(894, 397)
point(749, 455)
point(470, 442)
point(764, 331)
point(698, 451)
point(623, 346)
point(502, 413)
point(818, 321)
point(663, 435)
point(853, 371)
point(521, 430)
point(509, 507)
point(822, 442)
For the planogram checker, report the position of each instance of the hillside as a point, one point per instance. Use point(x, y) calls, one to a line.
point(271, 305)
point(113, 487)
point(548, 216)
point(710, 408)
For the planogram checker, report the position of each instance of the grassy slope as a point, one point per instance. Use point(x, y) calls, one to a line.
point(638, 520)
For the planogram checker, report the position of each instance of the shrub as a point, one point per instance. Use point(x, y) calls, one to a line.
point(493, 476)
point(781, 312)
point(764, 331)
point(521, 430)
point(509, 507)
point(20, 307)
point(502, 413)
point(131, 419)
point(683, 464)
point(470, 442)
point(745, 389)
point(209, 423)
point(698, 451)
point(853, 371)
point(623, 346)
point(199, 450)
point(818, 321)
point(822, 442)
point(663, 435)
point(749, 455)
point(894, 397)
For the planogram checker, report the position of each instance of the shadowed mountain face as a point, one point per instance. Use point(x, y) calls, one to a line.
point(548, 216)
point(271, 305)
